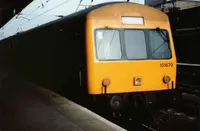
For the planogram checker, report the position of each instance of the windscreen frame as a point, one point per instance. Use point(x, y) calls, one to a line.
point(123, 48)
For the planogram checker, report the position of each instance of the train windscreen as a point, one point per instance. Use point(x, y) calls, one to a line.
point(132, 44)
point(108, 44)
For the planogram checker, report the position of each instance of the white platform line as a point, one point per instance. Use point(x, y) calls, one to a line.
point(188, 64)
point(188, 29)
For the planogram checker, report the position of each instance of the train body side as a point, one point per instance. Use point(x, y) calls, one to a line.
point(50, 56)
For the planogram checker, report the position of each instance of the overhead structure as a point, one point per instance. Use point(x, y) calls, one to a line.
point(40, 12)
point(169, 6)
point(159, 2)
point(9, 7)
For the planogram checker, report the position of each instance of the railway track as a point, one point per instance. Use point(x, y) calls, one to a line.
point(164, 120)
point(187, 88)
point(180, 115)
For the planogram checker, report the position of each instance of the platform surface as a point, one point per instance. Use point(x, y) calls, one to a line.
point(26, 107)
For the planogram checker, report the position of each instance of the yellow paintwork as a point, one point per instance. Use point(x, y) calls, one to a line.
point(122, 73)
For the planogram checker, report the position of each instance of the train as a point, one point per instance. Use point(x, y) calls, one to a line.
point(111, 52)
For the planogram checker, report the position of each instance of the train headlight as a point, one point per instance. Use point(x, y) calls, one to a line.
point(106, 82)
point(137, 81)
point(166, 79)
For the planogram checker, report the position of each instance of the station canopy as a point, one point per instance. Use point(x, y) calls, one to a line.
point(157, 2)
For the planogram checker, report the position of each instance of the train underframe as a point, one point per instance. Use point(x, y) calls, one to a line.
point(129, 103)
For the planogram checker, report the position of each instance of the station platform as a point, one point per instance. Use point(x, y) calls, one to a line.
point(25, 106)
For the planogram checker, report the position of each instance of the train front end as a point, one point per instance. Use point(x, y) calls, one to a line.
point(129, 50)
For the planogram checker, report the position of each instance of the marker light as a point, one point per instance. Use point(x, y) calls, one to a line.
point(137, 81)
point(166, 79)
point(106, 82)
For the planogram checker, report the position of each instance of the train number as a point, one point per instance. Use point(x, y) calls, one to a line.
point(166, 64)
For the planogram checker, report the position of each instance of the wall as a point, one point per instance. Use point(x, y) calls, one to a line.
point(185, 5)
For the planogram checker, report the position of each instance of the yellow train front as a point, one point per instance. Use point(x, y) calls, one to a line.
point(129, 49)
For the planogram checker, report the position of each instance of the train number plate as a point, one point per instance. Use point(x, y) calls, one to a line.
point(166, 64)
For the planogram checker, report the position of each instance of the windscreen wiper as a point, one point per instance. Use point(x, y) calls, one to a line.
point(164, 37)
point(161, 33)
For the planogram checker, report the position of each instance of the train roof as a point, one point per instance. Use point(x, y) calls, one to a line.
point(116, 11)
